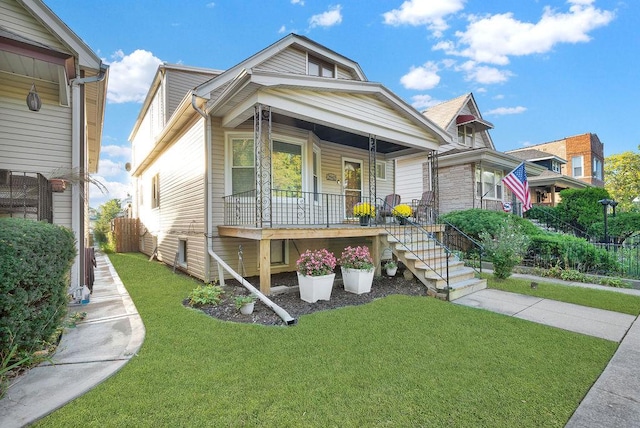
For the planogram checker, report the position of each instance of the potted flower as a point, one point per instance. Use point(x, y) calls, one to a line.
point(391, 267)
point(364, 211)
point(357, 269)
point(402, 212)
point(315, 275)
point(245, 303)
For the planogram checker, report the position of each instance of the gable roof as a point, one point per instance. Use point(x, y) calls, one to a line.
point(448, 112)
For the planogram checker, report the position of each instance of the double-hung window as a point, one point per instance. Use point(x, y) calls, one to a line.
point(243, 174)
point(488, 184)
point(318, 67)
point(597, 168)
point(465, 135)
point(576, 165)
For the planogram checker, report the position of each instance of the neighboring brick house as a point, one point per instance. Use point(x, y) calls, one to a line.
point(545, 188)
point(584, 156)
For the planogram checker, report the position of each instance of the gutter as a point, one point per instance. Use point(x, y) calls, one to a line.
point(288, 319)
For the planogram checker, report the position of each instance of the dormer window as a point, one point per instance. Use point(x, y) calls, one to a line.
point(555, 166)
point(318, 67)
point(465, 135)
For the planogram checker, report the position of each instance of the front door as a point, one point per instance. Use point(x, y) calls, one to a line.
point(352, 183)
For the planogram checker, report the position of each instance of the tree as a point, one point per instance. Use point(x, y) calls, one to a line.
point(580, 207)
point(106, 212)
point(622, 178)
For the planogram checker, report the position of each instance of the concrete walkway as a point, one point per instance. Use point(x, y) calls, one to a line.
point(614, 400)
point(112, 334)
point(98, 347)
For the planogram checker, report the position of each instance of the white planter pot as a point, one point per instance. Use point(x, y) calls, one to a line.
point(247, 308)
point(314, 288)
point(392, 271)
point(357, 281)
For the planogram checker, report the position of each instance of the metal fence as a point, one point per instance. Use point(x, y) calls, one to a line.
point(25, 195)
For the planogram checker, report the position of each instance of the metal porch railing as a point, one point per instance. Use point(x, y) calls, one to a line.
point(25, 195)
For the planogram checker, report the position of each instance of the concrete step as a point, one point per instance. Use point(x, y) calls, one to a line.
point(458, 275)
point(463, 288)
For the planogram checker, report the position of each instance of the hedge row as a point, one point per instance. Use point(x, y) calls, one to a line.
point(35, 260)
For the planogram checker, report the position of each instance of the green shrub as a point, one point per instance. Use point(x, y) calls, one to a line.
point(206, 295)
point(475, 221)
point(505, 247)
point(35, 259)
point(569, 252)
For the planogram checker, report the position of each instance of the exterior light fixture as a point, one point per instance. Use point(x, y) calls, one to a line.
point(33, 99)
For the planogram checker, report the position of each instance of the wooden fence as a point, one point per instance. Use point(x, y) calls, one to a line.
point(126, 232)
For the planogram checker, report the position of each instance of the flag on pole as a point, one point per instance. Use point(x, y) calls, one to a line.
point(516, 181)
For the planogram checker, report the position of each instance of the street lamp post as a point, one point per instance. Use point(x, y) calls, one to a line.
point(605, 204)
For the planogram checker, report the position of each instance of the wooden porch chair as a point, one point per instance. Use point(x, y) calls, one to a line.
point(390, 201)
point(423, 208)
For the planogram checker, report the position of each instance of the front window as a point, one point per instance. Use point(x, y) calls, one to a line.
point(555, 166)
point(286, 166)
point(465, 135)
point(576, 164)
point(242, 165)
point(381, 170)
point(488, 184)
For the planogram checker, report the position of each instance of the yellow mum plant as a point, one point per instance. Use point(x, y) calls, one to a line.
point(364, 209)
point(402, 210)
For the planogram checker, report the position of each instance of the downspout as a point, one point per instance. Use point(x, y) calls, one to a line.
point(288, 319)
point(77, 132)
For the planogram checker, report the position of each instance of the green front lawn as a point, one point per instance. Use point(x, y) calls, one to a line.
point(601, 299)
point(397, 362)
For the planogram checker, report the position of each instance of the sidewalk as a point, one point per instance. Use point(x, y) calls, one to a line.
point(98, 347)
point(614, 400)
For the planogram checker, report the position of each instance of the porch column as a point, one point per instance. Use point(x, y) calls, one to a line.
point(373, 148)
point(262, 139)
point(265, 266)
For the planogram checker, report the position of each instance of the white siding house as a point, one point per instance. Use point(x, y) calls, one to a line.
point(257, 163)
point(63, 137)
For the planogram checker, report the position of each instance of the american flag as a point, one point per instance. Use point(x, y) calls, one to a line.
point(516, 181)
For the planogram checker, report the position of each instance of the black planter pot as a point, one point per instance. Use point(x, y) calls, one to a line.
point(364, 220)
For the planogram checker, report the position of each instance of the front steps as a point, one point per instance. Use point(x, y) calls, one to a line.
point(427, 260)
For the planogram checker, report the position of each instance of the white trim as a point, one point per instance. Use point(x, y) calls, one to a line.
point(384, 168)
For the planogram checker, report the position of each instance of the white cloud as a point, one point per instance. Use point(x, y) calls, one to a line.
point(300, 2)
point(431, 13)
point(130, 76)
point(422, 102)
point(282, 29)
point(483, 74)
point(331, 17)
point(499, 97)
point(493, 39)
point(501, 111)
point(116, 151)
point(421, 78)
point(115, 190)
point(109, 168)
point(211, 5)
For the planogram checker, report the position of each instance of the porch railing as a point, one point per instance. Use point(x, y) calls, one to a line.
point(548, 220)
point(25, 195)
point(467, 248)
point(289, 208)
point(422, 244)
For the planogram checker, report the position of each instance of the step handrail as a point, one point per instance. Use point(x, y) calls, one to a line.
point(465, 239)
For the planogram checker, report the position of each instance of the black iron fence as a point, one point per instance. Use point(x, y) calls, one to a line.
point(25, 195)
point(467, 248)
point(291, 208)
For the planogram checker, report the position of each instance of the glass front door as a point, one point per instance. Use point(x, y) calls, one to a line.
point(352, 183)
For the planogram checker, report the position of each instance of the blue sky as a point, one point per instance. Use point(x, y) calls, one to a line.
point(540, 70)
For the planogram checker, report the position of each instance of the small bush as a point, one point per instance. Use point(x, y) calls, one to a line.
point(35, 259)
point(475, 221)
point(206, 295)
point(505, 247)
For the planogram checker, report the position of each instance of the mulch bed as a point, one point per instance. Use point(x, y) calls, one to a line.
point(290, 299)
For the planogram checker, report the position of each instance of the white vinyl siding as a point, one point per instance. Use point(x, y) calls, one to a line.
point(409, 177)
point(180, 215)
point(290, 60)
point(16, 19)
point(178, 83)
point(36, 142)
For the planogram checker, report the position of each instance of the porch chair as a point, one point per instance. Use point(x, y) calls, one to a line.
point(423, 208)
point(390, 201)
